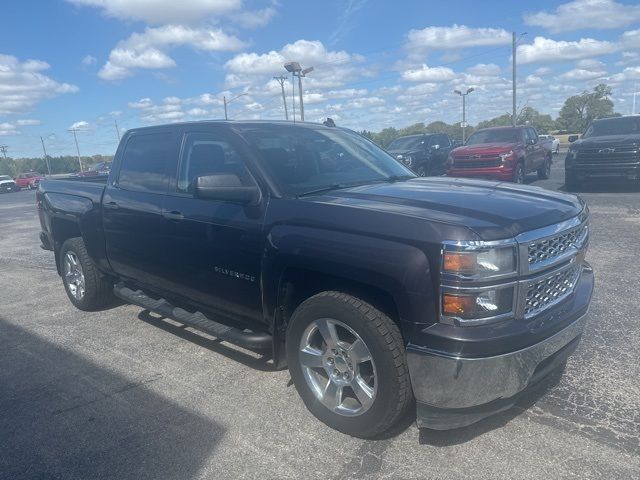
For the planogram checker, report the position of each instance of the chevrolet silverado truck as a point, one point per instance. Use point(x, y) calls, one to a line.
point(609, 149)
point(502, 153)
point(426, 153)
point(384, 293)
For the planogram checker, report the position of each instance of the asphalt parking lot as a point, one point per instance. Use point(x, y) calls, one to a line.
point(123, 394)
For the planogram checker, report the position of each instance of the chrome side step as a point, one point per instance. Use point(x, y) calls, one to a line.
point(249, 340)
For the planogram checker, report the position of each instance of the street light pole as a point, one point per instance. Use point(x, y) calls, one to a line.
point(464, 110)
point(514, 43)
point(296, 70)
point(46, 158)
point(224, 99)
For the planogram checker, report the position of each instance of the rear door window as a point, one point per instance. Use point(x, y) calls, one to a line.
point(145, 162)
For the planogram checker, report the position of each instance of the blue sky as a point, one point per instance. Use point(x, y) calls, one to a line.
point(86, 63)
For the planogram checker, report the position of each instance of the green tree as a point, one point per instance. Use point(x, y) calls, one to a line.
point(579, 110)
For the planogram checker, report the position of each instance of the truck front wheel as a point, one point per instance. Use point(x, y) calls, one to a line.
point(86, 287)
point(348, 363)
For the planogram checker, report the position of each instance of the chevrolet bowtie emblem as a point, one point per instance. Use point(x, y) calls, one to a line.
point(607, 150)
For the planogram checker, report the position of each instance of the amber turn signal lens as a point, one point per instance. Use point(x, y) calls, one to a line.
point(458, 304)
point(459, 262)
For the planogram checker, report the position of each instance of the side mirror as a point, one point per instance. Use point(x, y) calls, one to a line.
point(226, 187)
point(573, 138)
point(532, 141)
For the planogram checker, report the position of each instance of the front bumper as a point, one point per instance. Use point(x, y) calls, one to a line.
point(584, 172)
point(453, 391)
point(503, 173)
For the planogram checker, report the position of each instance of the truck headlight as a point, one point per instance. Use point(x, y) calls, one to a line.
point(478, 307)
point(467, 260)
point(572, 154)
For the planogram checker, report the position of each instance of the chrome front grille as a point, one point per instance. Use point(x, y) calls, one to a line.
point(550, 249)
point(544, 293)
point(609, 155)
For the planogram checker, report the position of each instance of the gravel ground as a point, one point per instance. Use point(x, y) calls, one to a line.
point(123, 394)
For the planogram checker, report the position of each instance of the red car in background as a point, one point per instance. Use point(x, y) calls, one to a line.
point(502, 153)
point(29, 180)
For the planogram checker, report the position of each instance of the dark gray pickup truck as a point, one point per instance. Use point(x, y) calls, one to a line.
point(380, 290)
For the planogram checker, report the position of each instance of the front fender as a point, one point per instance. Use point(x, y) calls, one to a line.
point(401, 270)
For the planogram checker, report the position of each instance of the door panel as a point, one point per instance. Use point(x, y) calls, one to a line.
point(132, 207)
point(214, 247)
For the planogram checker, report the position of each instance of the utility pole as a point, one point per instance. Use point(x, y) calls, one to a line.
point(46, 158)
point(281, 81)
point(297, 71)
point(75, 137)
point(300, 93)
point(3, 148)
point(464, 110)
point(224, 99)
point(514, 43)
point(117, 129)
point(635, 92)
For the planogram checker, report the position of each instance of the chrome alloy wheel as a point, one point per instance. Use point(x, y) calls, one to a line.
point(73, 275)
point(338, 367)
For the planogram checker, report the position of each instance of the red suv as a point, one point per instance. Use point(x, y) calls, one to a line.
point(29, 180)
point(501, 153)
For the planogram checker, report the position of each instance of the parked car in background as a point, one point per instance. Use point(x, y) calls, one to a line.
point(609, 148)
point(314, 246)
point(102, 168)
point(554, 142)
point(426, 154)
point(8, 184)
point(29, 180)
point(501, 153)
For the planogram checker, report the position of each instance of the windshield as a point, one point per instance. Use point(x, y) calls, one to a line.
point(506, 135)
point(303, 159)
point(406, 143)
point(614, 126)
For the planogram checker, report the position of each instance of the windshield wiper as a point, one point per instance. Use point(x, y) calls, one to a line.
point(334, 186)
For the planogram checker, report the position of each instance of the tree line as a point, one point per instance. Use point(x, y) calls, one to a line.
point(61, 164)
point(574, 117)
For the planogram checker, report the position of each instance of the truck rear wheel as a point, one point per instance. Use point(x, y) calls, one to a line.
point(86, 287)
point(348, 363)
point(544, 172)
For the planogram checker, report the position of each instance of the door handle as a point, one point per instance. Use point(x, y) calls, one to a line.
point(173, 215)
point(111, 205)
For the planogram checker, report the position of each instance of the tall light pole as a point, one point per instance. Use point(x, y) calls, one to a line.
point(514, 43)
point(46, 158)
point(297, 71)
point(464, 110)
point(224, 99)
point(281, 81)
point(75, 137)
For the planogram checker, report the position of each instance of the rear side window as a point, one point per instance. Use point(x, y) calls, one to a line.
point(144, 162)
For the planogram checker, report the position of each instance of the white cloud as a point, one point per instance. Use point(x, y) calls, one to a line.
point(145, 50)
point(454, 37)
point(81, 125)
point(161, 11)
point(586, 14)
point(7, 128)
point(23, 85)
point(29, 122)
point(255, 18)
point(547, 50)
point(484, 70)
point(581, 74)
point(429, 74)
point(89, 60)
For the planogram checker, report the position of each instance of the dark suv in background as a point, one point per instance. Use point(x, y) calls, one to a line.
point(426, 153)
point(610, 148)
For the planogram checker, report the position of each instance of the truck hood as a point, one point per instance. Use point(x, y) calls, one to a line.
point(2, 182)
point(484, 149)
point(607, 140)
point(493, 210)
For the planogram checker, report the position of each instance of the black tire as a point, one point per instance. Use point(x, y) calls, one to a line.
point(393, 396)
point(519, 174)
point(544, 172)
point(98, 289)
